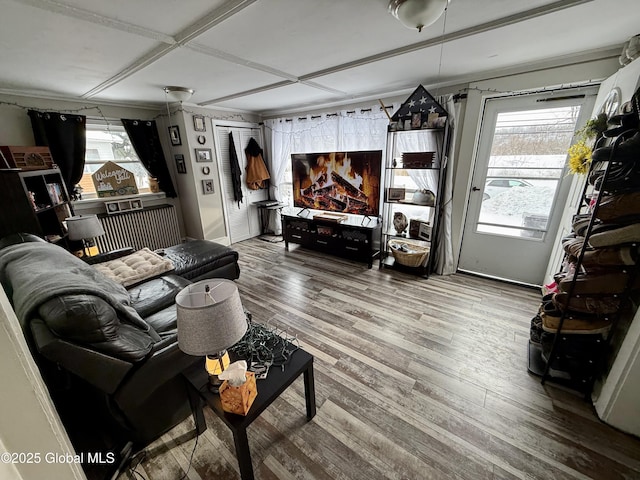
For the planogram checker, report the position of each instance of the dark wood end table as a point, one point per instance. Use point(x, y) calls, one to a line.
point(269, 389)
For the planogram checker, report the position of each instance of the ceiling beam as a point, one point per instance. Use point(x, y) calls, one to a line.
point(211, 19)
point(538, 66)
point(214, 52)
point(269, 87)
point(449, 37)
point(138, 64)
point(247, 92)
point(91, 17)
point(187, 34)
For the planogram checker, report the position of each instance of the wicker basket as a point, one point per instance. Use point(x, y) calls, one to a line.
point(407, 253)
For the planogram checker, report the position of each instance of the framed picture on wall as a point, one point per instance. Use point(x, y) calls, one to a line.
point(181, 166)
point(207, 186)
point(198, 123)
point(203, 155)
point(174, 135)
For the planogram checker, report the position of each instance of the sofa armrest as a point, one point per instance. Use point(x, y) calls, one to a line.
point(162, 366)
point(98, 369)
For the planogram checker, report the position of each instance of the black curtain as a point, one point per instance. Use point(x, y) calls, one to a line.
point(65, 135)
point(146, 142)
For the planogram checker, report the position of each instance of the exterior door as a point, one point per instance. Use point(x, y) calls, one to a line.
point(520, 184)
point(243, 220)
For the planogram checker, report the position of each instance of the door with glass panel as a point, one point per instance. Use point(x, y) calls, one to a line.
point(520, 184)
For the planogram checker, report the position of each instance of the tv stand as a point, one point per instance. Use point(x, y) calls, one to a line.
point(348, 239)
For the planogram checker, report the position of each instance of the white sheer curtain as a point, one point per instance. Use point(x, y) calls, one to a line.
point(362, 129)
point(414, 141)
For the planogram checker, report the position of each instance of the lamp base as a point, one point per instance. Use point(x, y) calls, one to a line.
point(215, 365)
point(214, 384)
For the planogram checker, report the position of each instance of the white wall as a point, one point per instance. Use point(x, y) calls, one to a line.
point(28, 420)
point(8, 470)
point(203, 214)
point(618, 402)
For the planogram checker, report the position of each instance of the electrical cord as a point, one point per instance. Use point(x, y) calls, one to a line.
point(190, 458)
point(134, 472)
point(265, 344)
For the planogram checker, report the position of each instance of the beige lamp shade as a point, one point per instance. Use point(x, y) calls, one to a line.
point(210, 317)
point(84, 227)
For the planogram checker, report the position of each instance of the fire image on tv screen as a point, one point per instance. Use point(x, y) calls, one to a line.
point(347, 182)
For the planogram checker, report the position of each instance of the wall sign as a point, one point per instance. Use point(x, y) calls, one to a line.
point(112, 180)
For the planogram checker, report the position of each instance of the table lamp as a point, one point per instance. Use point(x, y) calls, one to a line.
point(210, 320)
point(84, 227)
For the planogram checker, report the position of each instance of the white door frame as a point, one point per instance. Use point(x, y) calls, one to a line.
point(471, 211)
point(216, 142)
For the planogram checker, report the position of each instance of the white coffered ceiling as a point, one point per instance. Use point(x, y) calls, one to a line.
point(272, 56)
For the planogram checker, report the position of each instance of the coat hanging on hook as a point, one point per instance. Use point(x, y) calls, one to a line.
point(236, 173)
point(257, 171)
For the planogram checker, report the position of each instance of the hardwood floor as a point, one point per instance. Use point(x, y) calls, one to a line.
point(415, 379)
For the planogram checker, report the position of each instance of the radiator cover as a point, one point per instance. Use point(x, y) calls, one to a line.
point(153, 227)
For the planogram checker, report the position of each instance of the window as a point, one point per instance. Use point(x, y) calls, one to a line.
point(110, 143)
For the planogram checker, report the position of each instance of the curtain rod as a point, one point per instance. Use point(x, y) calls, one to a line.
point(335, 114)
point(555, 99)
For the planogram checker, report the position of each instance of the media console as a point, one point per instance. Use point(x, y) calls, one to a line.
point(355, 238)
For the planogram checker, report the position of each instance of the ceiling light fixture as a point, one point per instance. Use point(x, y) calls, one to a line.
point(417, 13)
point(178, 94)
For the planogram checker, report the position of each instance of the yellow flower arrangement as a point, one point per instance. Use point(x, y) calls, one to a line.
point(579, 157)
point(580, 152)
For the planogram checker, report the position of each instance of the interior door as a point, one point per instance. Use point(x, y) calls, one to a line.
point(520, 184)
point(242, 218)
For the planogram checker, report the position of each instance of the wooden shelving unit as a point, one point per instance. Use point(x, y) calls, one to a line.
point(34, 201)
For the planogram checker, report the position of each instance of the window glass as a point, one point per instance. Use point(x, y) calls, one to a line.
point(110, 143)
point(530, 147)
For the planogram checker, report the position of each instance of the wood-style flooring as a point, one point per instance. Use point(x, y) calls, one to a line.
point(415, 379)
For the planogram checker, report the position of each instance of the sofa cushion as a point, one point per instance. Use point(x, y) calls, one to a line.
point(135, 267)
point(81, 318)
point(154, 295)
point(91, 321)
point(164, 322)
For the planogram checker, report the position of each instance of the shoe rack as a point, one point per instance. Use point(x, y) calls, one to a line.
point(571, 332)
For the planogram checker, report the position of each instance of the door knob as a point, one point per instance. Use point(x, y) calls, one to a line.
point(475, 189)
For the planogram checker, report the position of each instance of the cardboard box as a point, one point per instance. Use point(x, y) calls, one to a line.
point(414, 227)
point(418, 159)
point(424, 232)
point(239, 399)
point(331, 217)
point(395, 194)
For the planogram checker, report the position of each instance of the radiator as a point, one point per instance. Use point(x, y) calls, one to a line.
point(152, 227)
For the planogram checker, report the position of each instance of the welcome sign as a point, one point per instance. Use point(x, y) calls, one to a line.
point(112, 180)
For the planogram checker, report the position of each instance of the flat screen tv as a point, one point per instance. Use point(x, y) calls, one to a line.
point(347, 182)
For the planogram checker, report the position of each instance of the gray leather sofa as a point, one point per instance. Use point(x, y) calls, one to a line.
point(120, 345)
